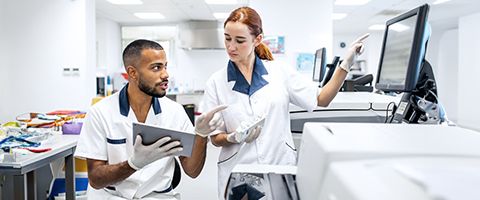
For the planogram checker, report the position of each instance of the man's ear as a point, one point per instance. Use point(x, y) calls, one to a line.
point(132, 72)
point(258, 40)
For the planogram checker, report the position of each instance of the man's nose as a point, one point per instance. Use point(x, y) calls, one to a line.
point(164, 74)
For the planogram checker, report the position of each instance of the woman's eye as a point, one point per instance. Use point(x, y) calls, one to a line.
point(240, 41)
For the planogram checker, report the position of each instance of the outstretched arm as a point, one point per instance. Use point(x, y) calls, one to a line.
point(330, 90)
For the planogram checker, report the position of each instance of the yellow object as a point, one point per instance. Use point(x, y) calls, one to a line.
point(11, 124)
point(80, 165)
point(96, 99)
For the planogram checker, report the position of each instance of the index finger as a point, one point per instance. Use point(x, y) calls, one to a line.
point(217, 109)
point(360, 39)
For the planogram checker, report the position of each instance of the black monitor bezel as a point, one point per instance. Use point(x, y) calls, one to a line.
point(323, 65)
point(416, 55)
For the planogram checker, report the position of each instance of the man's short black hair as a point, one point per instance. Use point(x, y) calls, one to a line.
point(133, 51)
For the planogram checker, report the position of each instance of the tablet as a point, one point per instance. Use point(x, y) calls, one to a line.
point(150, 134)
point(250, 124)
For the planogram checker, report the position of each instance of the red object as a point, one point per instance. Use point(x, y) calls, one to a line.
point(125, 76)
point(38, 150)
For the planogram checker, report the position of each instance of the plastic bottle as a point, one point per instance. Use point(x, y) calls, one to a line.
point(109, 86)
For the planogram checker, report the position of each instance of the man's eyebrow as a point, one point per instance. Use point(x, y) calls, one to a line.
point(158, 63)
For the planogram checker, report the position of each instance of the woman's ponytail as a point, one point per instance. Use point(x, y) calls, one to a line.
point(263, 52)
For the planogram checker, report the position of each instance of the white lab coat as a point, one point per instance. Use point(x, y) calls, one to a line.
point(107, 135)
point(275, 144)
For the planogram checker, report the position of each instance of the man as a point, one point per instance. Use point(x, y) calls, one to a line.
point(119, 169)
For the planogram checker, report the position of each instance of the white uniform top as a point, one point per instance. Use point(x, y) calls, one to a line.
point(272, 88)
point(107, 135)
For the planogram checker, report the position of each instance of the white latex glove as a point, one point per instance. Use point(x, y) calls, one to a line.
point(236, 137)
point(208, 122)
point(240, 135)
point(253, 134)
point(144, 155)
point(356, 48)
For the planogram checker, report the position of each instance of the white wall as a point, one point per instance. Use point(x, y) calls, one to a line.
point(306, 25)
point(446, 72)
point(44, 37)
point(469, 70)
point(4, 86)
point(109, 46)
point(193, 68)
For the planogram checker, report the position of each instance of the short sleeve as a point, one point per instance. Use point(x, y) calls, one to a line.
point(301, 92)
point(92, 143)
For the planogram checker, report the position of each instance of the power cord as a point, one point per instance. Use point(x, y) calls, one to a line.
point(393, 111)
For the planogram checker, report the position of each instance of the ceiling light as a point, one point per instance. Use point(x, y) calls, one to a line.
point(126, 2)
point(338, 16)
point(351, 2)
point(147, 15)
point(377, 27)
point(399, 27)
point(221, 15)
point(440, 2)
point(221, 2)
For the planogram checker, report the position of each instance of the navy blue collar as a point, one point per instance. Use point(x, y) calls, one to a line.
point(125, 105)
point(241, 84)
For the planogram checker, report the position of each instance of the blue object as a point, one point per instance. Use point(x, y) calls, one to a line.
point(81, 184)
point(14, 142)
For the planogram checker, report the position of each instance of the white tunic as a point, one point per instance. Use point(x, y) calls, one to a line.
point(107, 135)
point(272, 88)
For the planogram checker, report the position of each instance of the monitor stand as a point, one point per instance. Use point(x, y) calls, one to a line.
point(421, 105)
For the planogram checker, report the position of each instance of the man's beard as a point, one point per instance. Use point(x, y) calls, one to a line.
point(150, 90)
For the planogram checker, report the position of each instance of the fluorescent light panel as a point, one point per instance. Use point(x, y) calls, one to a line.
point(394, 27)
point(377, 27)
point(351, 2)
point(221, 15)
point(440, 2)
point(338, 16)
point(221, 2)
point(125, 2)
point(150, 15)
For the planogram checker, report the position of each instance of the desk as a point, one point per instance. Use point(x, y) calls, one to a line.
point(360, 107)
point(63, 146)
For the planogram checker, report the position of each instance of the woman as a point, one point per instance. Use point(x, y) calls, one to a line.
point(252, 86)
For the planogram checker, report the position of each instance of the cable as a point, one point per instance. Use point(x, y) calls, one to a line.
point(386, 115)
point(433, 93)
point(393, 113)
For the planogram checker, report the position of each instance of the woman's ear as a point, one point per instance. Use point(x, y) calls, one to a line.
point(258, 40)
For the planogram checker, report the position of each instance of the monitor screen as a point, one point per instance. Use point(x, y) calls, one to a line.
point(319, 65)
point(403, 51)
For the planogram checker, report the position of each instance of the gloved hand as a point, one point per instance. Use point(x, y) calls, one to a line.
point(253, 134)
point(144, 155)
point(208, 122)
point(356, 48)
point(244, 133)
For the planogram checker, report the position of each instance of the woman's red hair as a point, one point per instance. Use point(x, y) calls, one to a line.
point(250, 17)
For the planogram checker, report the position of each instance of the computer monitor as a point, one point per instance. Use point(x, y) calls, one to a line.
point(331, 69)
point(403, 51)
point(320, 65)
